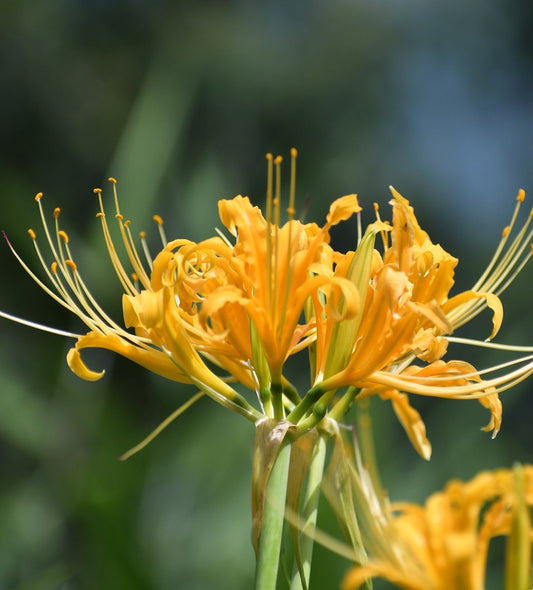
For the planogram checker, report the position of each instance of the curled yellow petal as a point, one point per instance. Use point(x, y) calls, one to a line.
point(78, 367)
point(493, 403)
point(144, 310)
point(342, 209)
point(411, 421)
point(459, 308)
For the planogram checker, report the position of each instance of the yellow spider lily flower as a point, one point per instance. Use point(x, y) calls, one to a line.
point(443, 544)
point(407, 316)
point(237, 307)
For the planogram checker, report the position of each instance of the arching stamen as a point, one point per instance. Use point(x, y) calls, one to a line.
point(159, 220)
point(290, 260)
point(517, 270)
point(138, 268)
point(38, 198)
point(72, 294)
point(488, 344)
point(269, 198)
point(63, 298)
point(409, 384)
point(121, 273)
point(38, 326)
point(291, 211)
point(519, 200)
point(275, 270)
point(277, 195)
point(144, 244)
point(127, 239)
point(505, 265)
point(509, 259)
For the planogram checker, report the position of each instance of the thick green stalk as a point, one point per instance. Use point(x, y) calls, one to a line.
point(268, 556)
point(309, 515)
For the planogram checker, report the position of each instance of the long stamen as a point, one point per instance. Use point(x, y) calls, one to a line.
point(410, 383)
point(38, 198)
point(488, 344)
point(70, 290)
point(138, 268)
point(144, 244)
point(519, 200)
point(62, 296)
point(276, 203)
point(290, 262)
point(505, 265)
point(37, 326)
point(90, 311)
point(509, 260)
point(270, 176)
point(121, 273)
point(292, 195)
point(127, 239)
point(159, 220)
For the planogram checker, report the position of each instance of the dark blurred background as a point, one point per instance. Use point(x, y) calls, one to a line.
point(180, 101)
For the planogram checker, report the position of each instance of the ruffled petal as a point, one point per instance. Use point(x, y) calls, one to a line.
point(342, 209)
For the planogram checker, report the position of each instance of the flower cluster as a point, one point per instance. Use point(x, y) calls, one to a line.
point(443, 545)
point(227, 313)
point(236, 306)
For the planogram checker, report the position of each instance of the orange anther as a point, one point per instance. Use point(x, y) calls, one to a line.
point(158, 219)
point(294, 152)
point(57, 211)
point(142, 235)
point(113, 180)
point(71, 265)
point(278, 160)
point(119, 216)
point(127, 222)
point(33, 236)
point(53, 267)
point(97, 191)
point(38, 196)
point(100, 214)
point(521, 195)
point(506, 231)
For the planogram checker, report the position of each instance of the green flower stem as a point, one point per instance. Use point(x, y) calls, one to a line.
point(310, 514)
point(266, 573)
point(344, 404)
point(312, 396)
point(277, 399)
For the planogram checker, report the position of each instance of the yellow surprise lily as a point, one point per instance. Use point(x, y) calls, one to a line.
point(406, 317)
point(443, 545)
point(236, 307)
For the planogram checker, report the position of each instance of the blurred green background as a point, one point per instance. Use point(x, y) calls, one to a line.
point(180, 101)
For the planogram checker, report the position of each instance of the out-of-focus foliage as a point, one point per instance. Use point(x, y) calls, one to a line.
point(180, 101)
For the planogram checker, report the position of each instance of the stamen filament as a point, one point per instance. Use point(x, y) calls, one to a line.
point(147, 255)
point(501, 245)
point(159, 220)
point(122, 275)
point(37, 326)
point(270, 176)
point(487, 344)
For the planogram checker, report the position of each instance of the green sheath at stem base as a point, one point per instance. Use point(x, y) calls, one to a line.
point(266, 573)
